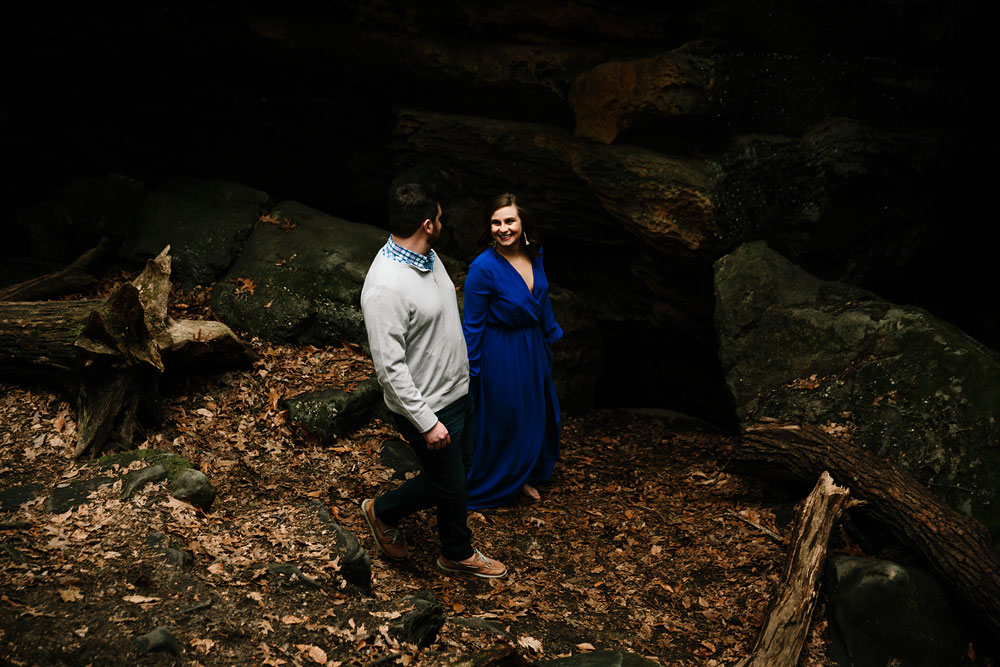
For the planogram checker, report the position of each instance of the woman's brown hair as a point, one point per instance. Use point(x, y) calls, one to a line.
point(529, 239)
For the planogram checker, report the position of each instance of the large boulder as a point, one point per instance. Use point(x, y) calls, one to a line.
point(610, 97)
point(578, 189)
point(884, 613)
point(204, 222)
point(898, 381)
point(299, 277)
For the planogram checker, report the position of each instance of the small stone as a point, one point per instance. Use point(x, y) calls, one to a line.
point(193, 486)
point(178, 557)
point(498, 656)
point(399, 456)
point(12, 552)
point(483, 624)
point(65, 498)
point(355, 564)
point(330, 413)
point(159, 639)
point(12, 498)
point(421, 624)
point(293, 572)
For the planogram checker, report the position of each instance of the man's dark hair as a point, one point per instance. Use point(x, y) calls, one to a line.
point(409, 205)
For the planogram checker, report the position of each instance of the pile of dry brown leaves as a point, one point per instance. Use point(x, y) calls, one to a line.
point(641, 542)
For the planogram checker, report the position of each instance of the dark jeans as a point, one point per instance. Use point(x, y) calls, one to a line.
point(441, 482)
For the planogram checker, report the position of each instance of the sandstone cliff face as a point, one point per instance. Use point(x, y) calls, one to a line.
point(649, 141)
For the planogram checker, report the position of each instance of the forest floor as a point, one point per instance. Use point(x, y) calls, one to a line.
point(642, 541)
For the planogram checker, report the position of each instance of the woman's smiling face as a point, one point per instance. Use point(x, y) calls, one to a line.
point(505, 227)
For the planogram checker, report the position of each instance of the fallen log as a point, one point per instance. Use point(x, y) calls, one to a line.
point(957, 548)
point(110, 353)
point(70, 279)
point(786, 627)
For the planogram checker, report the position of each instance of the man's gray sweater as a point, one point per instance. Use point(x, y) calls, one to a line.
point(415, 336)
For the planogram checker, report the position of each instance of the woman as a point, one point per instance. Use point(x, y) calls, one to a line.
point(509, 325)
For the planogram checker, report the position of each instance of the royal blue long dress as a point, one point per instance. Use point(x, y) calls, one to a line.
point(508, 329)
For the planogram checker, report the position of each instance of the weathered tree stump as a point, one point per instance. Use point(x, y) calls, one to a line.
point(786, 628)
point(109, 354)
point(958, 549)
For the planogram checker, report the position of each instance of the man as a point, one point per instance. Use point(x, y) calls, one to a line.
point(415, 336)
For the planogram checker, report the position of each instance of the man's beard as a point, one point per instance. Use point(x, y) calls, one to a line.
point(433, 238)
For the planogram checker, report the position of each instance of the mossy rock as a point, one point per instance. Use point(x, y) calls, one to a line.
point(160, 465)
point(137, 479)
point(299, 278)
point(194, 487)
point(172, 463)
point(907, 386)
point(330, 413)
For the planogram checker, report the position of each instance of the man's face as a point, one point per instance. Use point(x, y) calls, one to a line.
point(436, 234)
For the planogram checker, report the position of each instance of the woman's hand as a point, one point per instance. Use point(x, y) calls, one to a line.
point(438, 437)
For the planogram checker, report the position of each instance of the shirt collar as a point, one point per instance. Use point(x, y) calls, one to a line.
point(398, 253)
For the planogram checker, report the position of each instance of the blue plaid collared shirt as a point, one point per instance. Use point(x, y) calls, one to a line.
point(397, 253)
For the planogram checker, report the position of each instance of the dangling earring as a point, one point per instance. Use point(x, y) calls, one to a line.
point(526, 241)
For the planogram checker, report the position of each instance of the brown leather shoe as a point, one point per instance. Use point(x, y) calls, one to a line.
point(477, 565)
point(389, 540)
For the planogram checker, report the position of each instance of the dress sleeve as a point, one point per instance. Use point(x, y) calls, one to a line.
point(386, 314)
point(479, 286)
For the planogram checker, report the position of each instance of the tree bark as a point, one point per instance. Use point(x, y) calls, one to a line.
point(109, 354)
point(70, 279)
point(957, 548)
point(787, 625)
